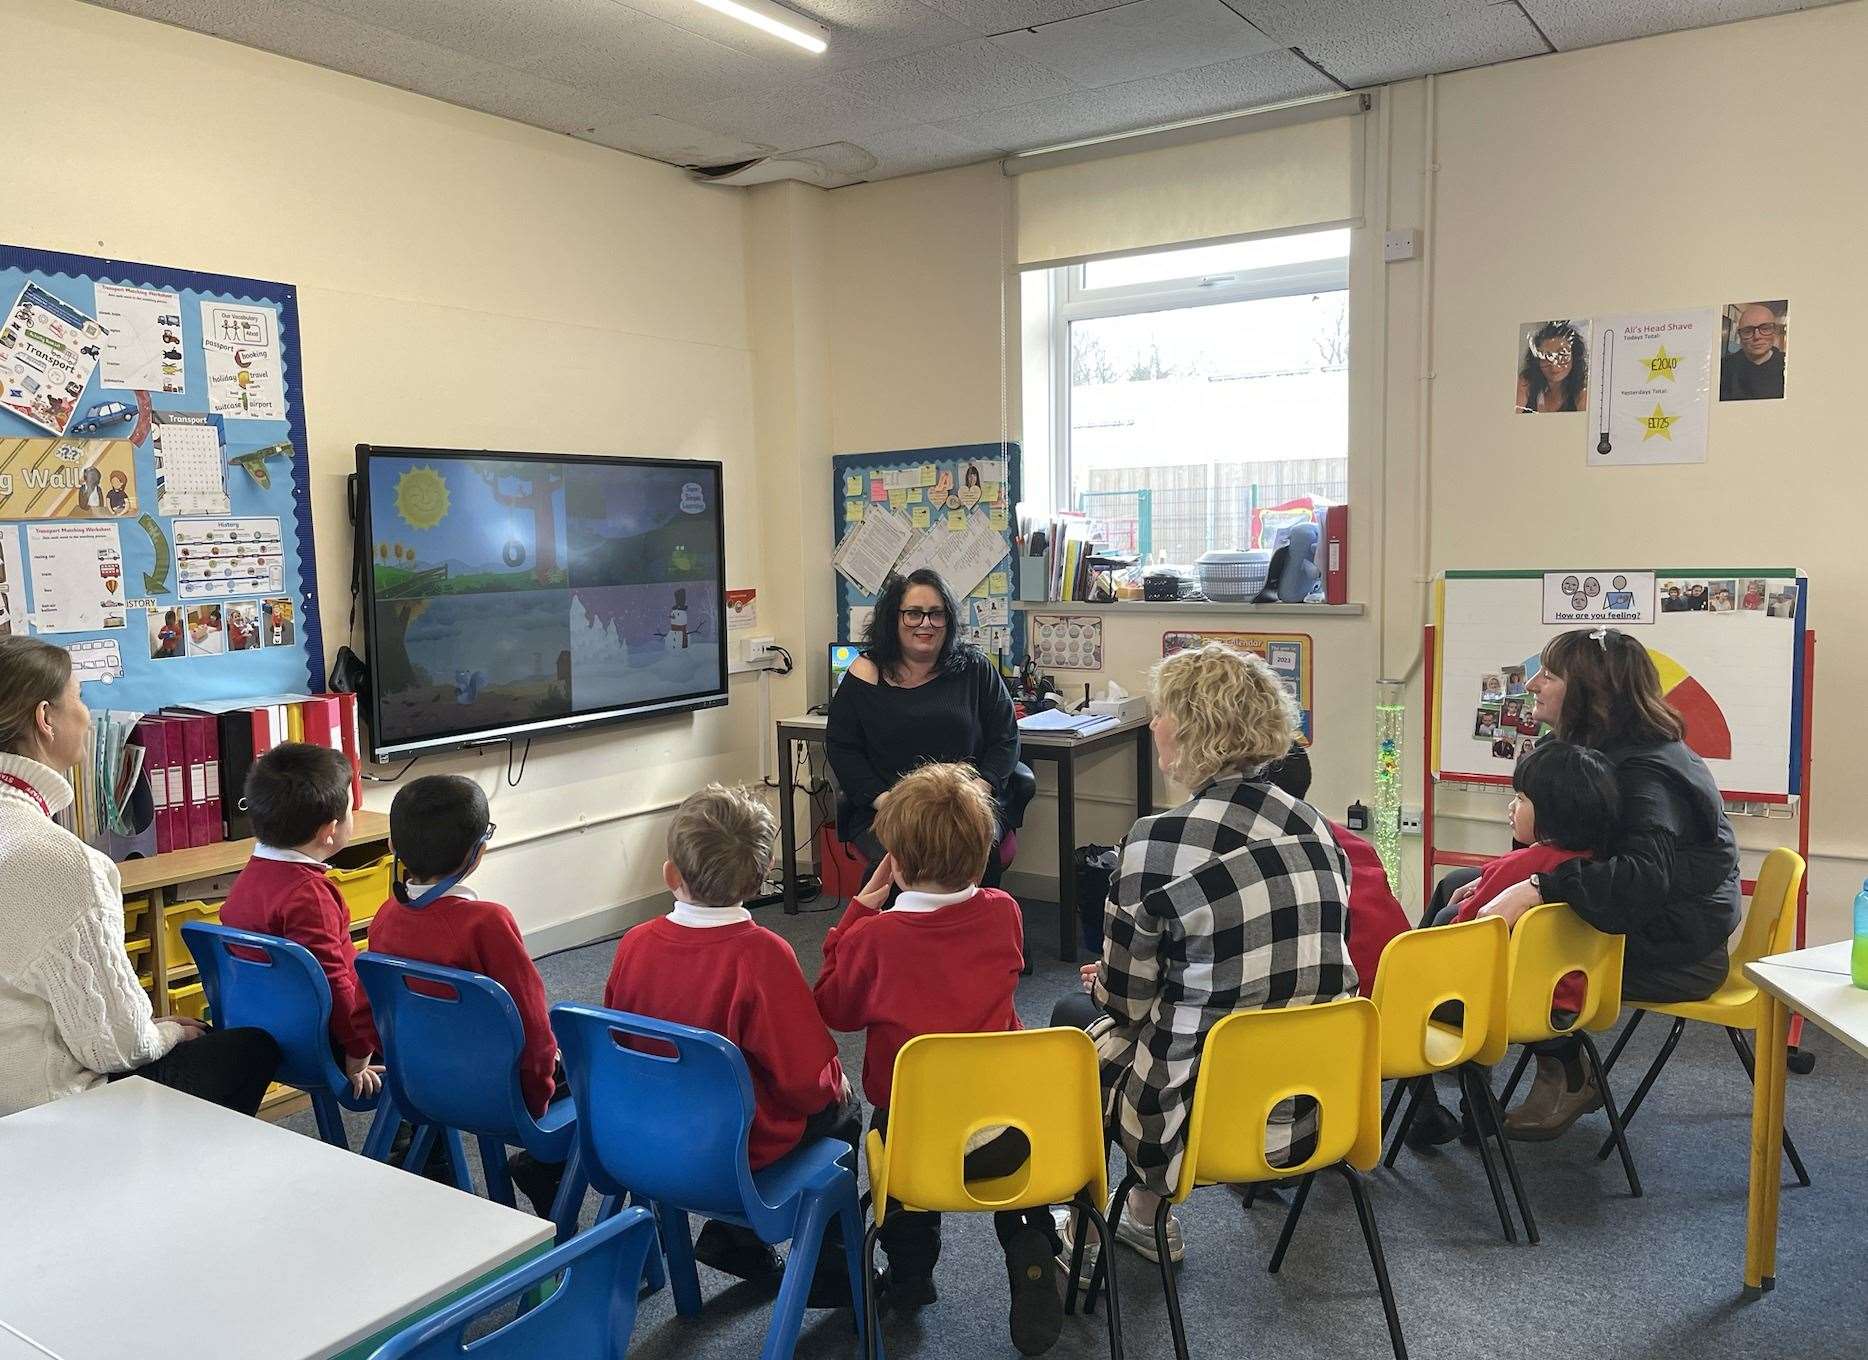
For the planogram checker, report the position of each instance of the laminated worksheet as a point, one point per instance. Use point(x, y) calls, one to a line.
point(77, 576)
point(191, 479)
point(220, 557)
point(869, 551)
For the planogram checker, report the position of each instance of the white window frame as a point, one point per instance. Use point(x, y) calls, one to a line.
point(1069, 300)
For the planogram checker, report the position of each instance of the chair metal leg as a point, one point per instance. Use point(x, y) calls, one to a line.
point(683, 1278)
point(330, 1119)
point(1491, 1168)
point(421, 1144)
point(1167, 1281)
point(1495, 1117)
point(493, 1170)
point(1648, 1079)
point(850, 1227)
point(1079, 1238)
point(1743, 1047)
point(1371, 1234)
point(1394, 1103)
point(1250, 1197)
point(781, 1334)
point(1621, 1040)
point(1422, 1086)
point(1290, 1222)
point(457, 1157)
point(568, 1203)
point(1117, 1203)
point(1106, 1270)
point(872, 1322)
point(1615, 1119)
point(1517, 1073)
point(383, 1127)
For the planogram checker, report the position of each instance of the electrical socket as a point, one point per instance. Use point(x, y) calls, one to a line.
point(1410, 820)
point(758, 648)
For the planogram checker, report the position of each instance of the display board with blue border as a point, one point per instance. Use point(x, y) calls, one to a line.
point(940, 491)
point(155, 516)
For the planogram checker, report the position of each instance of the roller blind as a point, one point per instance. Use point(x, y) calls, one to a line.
point(1278, 179)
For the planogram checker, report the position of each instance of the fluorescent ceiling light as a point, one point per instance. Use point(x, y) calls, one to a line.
point(774, 19)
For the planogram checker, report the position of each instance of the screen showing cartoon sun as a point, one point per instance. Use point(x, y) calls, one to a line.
point(422, 497)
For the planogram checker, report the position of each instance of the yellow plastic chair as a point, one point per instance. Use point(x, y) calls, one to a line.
point(1420, 971)
point(1252, 1062)
point(949, 1087)
point(1548, 944)
point(1737, 1007)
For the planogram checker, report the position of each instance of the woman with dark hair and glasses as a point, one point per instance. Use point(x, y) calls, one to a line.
point(918, 694)
point(1554, 376)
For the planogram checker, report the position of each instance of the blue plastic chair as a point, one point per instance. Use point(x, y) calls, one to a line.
point(669, 1125)
point(588, 1317)
point(451, 1046)
point(272, 984)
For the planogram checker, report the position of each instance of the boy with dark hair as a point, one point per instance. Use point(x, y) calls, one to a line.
point(1375, 915)
point(708, 965)
point(439, 829)
point(944, 959)
point(298, 796)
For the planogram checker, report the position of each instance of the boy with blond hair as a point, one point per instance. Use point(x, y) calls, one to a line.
point(707, 965)
point(944, 959)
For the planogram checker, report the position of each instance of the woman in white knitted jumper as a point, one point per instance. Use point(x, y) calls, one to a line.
point(72, 1014)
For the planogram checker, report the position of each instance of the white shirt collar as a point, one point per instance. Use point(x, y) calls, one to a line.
point(263, 851)
point(705, 918)
point(927, 901)
point(51, 785)
point(460, 890)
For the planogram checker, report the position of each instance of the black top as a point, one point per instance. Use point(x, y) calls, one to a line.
point(1671, 886)
point(879, 732)
point(1742, 380)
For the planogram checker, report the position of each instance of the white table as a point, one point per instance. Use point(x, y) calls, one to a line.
point(13, 1346)
point(143, 1222)
point(1815, 984)
point(1061, 748)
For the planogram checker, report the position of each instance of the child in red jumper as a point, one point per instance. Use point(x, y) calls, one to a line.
point(298, 796)
point(708, 965)
point(945, 959)
point(439, 829)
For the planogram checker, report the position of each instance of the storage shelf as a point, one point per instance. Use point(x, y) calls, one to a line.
point(1198, 607)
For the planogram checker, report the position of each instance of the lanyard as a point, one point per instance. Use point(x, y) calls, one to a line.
point(13, 781)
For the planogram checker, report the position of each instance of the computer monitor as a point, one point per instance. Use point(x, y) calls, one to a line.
point(842, 656)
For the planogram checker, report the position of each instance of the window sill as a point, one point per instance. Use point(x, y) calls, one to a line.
point(1198, 607)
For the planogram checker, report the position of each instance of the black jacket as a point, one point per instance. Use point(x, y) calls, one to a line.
point(1671, 886)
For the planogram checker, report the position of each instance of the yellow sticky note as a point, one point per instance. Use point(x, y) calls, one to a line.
point(918, 516)
point(956, 521)
point(853, 484)
point(927, 474)
point(853, 512)
point(996, 518)
point(989, 493)
point(997, 583)
point(916, 496)
point(898, 499)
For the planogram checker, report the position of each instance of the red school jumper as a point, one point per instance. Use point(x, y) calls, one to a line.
point(901, 974)
point(1507, 871)
point(1375, 914)
point(742, 982)
point(292, 898)
point(461, 931)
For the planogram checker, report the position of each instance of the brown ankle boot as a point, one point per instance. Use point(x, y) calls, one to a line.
point(1569, 1106)
point(1540, 1099)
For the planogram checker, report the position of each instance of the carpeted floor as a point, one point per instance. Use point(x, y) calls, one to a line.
point(1613, 1277)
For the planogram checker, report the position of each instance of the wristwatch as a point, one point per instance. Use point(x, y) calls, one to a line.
point(1537, 885)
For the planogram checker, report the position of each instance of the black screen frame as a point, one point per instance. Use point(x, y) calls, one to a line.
point(464, 738)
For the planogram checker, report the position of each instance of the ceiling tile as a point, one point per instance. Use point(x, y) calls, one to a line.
point(793, 117)
point(1002, 16)
point(911, 150)
point(1147, 38)
point(1448, 42)
point(503, 31)
point(967, 78)
point(860, 31)
point(649, 66)
point(1586, 23)
point(678, 143)
point(1244, 83)
point(1295, 23)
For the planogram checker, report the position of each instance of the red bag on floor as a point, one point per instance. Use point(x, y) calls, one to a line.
point(841, 867)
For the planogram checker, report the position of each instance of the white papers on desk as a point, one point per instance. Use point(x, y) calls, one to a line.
point(1056, 720)
point(868, 551)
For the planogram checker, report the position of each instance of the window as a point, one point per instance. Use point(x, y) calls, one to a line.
point(1194, 389)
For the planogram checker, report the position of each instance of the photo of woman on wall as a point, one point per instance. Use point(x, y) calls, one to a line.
point(1553, 367)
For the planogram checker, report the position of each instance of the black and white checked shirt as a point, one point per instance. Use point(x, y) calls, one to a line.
point(1233, 901)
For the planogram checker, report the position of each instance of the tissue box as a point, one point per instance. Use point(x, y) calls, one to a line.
point(1129, 706)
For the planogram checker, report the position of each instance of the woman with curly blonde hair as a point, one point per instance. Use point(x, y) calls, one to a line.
point(1235, 900)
